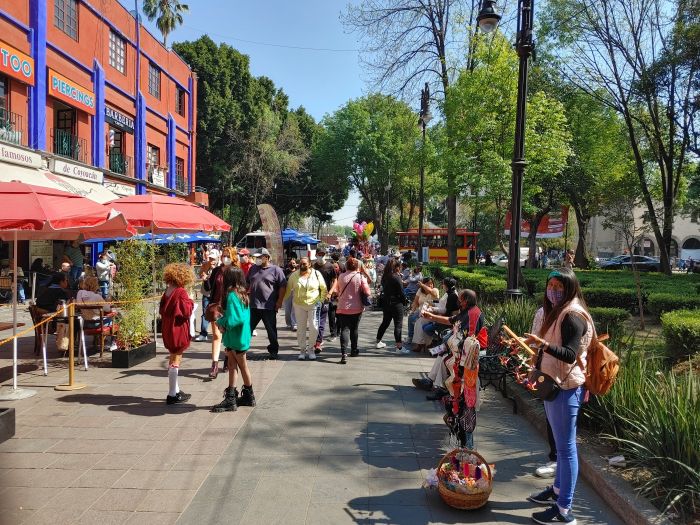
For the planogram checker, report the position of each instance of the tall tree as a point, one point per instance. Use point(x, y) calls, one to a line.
point(166, 13)
point(408, 42)
point(626, 53)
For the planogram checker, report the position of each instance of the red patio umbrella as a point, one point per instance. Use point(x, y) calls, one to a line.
point(153, 213)
point(29, 212)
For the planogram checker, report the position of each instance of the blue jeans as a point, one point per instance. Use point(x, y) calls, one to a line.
point(290, 318)
point(205, 324)
point(104, 289)
point(20, 292)
point(75, 273)
point(412, 318)
point(562, 414)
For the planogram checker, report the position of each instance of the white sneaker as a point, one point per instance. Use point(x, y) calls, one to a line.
point(404, 350)
point(381, 344)
point(312, 355)
point(112, 347)
point(302, 356)
point(547, 471)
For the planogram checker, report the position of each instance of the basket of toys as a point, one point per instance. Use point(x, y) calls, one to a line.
point(464, 479)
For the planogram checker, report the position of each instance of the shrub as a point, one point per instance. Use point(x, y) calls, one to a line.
point(517, 314)
point(611, 298)
point(681, 331)
point(659, 303)
point(609, 320)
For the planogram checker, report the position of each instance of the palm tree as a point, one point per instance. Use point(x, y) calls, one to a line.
point(168, 15)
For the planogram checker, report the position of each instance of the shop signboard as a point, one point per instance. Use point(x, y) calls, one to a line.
point(119, 120)
point(120, 189)
point(19, 156)
point(71, 92)
point(76, 171)
point(16, 64)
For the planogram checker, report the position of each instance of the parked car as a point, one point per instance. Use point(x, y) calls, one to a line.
point(624, 262)
point(502, 260)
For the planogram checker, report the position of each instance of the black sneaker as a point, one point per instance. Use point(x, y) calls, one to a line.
point(546, 497)
point(343, 359)
point(354, 353)
point(180, 397)
point(552, 515)
point(423, 383)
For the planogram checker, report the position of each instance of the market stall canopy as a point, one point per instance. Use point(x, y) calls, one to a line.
point(152, 213)
point(292, 236)
point(169, 238)
point(41, 213)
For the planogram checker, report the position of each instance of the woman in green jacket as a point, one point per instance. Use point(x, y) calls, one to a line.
point(235, 325)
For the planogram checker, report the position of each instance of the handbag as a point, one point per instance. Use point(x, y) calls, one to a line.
point(213, 312)
point(365, 298)
point(546, 387)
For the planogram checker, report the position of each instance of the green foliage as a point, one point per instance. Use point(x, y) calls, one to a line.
point(609, 320)
point(517, 314)
point(659, 303)
point(653, 417)
point(132, 284)
point(623, 298)
point(681, 331)
point(166, 13)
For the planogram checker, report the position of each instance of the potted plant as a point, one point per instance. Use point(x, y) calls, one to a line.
point(132, 283)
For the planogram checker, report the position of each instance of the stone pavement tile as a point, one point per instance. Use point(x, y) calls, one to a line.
point(103, 517)
point(238, 465)
point(76, 498)
point(120, 499)
point(343, 446)
point(216, 433)
point(403, 514)
point(300, 465)
point(182, 480)
point(127, 422)
point(48, 478)
point(224, 421)
point(128, 446)
point(26, 445)
point(56, 516)
point(23, 498)
point(87, 421)
point(209, 446)
point(195, 462)
point(16, 516)
point(396, 491)
point(75, 446)
point(290, 495)
point(153, 518)
point(340, 488)
point(160, 461)
point(355, 465)
point(229, 509)
point(323, 513)
point(140, 479)
point(98, 478)
point(162, 500)
point(118, 461)
point(394, 468)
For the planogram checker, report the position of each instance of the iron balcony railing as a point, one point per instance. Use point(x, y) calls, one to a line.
point(68, 145)
point(11, 127)
point(120, 163)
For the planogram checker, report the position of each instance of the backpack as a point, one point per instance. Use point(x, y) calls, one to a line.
point(603, 366)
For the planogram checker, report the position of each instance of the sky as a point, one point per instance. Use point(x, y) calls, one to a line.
point(302, 46)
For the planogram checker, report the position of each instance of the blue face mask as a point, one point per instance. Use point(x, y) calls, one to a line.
point(555, 296)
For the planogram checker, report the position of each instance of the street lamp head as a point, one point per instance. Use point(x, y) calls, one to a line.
point(488, 16)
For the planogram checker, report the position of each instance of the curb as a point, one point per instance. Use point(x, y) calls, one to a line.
point(615, 491)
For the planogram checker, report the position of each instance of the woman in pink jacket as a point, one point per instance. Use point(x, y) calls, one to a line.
point(347, 293)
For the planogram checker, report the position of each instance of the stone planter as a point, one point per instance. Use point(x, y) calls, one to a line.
point(7, 423)
point(133, 357)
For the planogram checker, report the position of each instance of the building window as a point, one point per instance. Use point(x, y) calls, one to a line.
point(154, 80)
point(4, 94)
point(65, 17)
point(180, 174)
point(153, 155)
point(117, 52)
point(181, 98)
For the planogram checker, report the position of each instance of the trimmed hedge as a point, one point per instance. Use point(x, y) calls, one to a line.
point(609, 320)
point(681, 331)
point(623, 298)
point(659, 303)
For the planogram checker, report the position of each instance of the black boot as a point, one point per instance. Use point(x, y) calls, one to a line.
point(229, 403)
point(247, 398)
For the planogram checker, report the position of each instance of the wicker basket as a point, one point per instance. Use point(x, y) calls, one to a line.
point(459, 500)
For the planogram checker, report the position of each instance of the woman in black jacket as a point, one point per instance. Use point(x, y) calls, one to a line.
point(393, 305)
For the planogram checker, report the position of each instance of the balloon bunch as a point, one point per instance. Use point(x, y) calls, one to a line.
point(362, 232)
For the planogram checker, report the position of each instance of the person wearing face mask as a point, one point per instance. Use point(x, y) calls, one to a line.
point(103, 268)
point(289, 318)
point(563, 340)
point(245, 262)
point(323, 315)
point(307, 287)
point(204, 274)
point(266, 287)
point(216, 285)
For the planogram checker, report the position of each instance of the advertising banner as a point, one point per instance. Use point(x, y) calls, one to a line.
point(16, 64)
point(552, 225)
point(71, 92)
point(273, 234)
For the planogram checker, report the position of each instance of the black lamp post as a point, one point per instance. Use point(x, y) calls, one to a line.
point(423, 119)
point(524, 44)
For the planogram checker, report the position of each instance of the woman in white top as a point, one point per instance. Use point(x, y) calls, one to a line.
point(427, 293)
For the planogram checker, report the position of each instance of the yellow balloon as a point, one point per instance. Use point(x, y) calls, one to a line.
point(369, 229)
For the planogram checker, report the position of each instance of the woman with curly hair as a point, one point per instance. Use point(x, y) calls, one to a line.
point(235, 324)
point(175, 311)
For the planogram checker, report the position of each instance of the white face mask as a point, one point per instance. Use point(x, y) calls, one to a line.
point(258, 261)
point(226, 261)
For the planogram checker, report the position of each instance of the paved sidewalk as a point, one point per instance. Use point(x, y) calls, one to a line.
point(327, 444)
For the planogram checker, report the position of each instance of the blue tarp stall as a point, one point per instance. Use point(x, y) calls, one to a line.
point(291, 237)
point(171, 238)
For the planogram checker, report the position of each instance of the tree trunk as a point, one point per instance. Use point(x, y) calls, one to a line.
point(532, 242)
point(582, 220)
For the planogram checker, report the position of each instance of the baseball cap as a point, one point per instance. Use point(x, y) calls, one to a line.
point(214, 254)
point(244, 251)
point(263, 251)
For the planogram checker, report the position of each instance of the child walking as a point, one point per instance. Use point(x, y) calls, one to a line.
point(175, 311)
point(235, 325)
